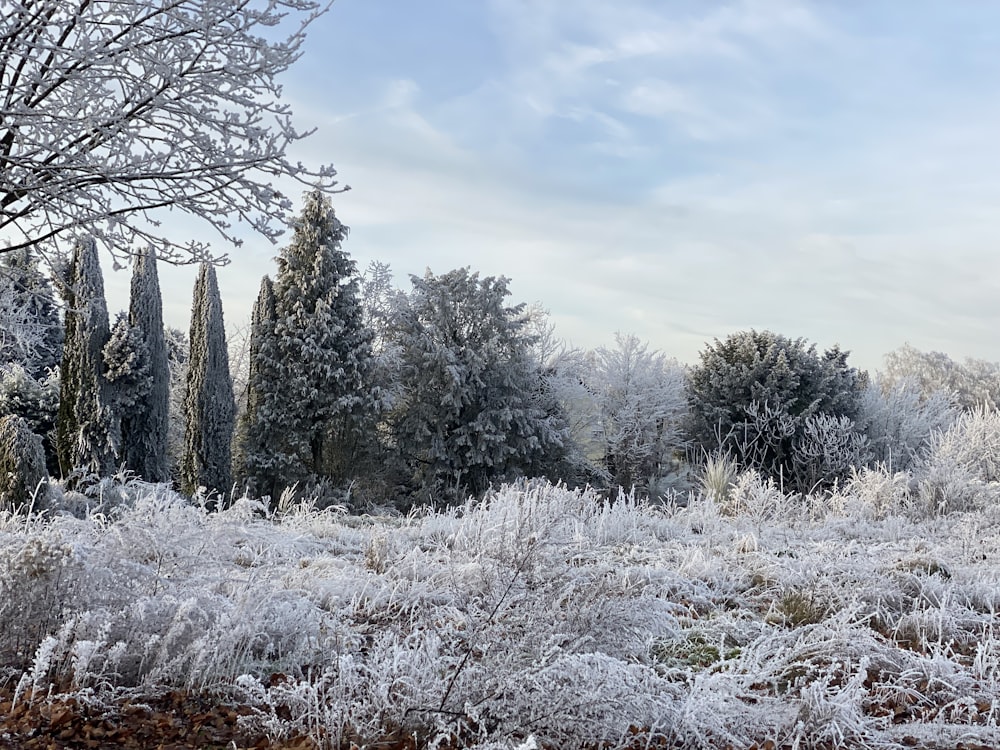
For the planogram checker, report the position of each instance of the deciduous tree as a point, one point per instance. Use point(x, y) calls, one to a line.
point(113, 109)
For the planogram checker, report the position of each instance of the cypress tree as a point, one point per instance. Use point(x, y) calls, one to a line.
point(86, 436)
point(255, 460)
point(144, 426)
point(208, 404)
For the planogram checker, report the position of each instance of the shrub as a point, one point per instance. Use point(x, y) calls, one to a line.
point(22, 463)
point(899, 419)
point(753, 395)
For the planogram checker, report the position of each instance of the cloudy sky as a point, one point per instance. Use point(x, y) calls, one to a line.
point(678, 170)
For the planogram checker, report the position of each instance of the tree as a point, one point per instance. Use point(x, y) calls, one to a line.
point(470, 413)
point(311, 360)
point(973, 382)
point(639, 402)
point(178, 355)
point(256, 463)
point(113, 109)
point(208, 402)
point(31, 341)
point(31, 332)
point(753, 394)
point(145, 422)
point(22, 463)
point(87, 437)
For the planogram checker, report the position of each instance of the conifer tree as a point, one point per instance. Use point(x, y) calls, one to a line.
point(22, 463)
point(473, 409)
point(208, 403)
point(31, 340)
point(144, 426)
point(31, 333)
point(253, 459)
point(86, 431)
point(311, 360)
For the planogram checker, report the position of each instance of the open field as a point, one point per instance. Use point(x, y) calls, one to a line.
point(539, 617)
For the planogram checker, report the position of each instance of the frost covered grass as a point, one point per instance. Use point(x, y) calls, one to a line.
point(538, 616)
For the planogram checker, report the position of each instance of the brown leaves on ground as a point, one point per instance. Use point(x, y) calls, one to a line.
point(176, 720)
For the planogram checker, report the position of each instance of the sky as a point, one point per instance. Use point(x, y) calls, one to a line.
point(674, 170)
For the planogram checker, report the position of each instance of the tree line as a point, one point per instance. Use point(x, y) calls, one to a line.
point(360, 393)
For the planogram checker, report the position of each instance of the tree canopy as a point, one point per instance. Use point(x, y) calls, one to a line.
point(111, 109)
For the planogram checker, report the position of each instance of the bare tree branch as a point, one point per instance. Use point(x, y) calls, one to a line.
point(111, 110)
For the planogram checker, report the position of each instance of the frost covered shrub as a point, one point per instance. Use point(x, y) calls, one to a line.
point(22, 463)
point(960, 468)
point(634, 403)
point(827, 449)
point(753, 394)
point(899, 417)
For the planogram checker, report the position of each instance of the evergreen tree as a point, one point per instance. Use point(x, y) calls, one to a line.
point(208, 402)
point(86, 431)
point(31, 332)
point(311, 360)
point(22, 463)
point(254, 459)
point(144, 425)
point(472, 412)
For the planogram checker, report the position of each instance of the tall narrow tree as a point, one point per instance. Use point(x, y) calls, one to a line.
point(208, 402)
point(255, 460)
point(86, 432)
point(144, 427)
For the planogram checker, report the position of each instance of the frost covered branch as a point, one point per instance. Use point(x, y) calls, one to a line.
point(113, 109)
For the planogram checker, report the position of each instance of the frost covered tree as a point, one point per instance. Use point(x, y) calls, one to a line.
point(208, 401)
point(311, 361)
point(470, 412)
point(112, 110)
point(22, 463)
point(31, 339)
point(178, 354)
point(31, 332)
point(639, 403)
point(144, 421)
point(87, 438)
point(972, 383)
point(256, 465)
point(752, 395)
point(899, 419)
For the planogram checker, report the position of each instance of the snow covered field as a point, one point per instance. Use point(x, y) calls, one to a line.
point(538, 617)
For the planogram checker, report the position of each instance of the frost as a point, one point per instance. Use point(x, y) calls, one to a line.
point(538, 616)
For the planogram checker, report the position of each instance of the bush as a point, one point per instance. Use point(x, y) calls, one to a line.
point(758, 396)
point(960, 468)
point(22, 463)
point(899, 418)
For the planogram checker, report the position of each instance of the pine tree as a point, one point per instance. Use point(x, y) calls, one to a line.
point(144, 426)
point(311, 363)
point(86, 431)
point(208, 403)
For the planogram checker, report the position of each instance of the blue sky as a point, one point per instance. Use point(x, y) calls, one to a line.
point(677, 170)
